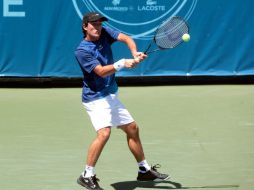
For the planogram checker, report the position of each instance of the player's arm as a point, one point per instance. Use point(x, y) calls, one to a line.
point(104, 71)
point(129, 42)
point(107, 70)
point(138, 56)
point(87, 61)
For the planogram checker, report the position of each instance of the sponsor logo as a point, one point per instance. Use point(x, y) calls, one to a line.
point(151, 5)
point(116, 7)
point(138, 19)
point(116, 2)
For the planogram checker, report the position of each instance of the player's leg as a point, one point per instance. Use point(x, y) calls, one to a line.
point(97, 146)
point(88, 178)
point(146, 173)
point(100, 113)
point(133, 140)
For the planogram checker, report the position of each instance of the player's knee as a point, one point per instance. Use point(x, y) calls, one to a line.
point(133, 128)
point(104, 133)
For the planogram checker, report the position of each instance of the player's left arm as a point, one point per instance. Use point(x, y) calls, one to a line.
point(138, 56)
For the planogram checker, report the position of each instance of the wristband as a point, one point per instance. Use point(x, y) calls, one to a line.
point(119, 64)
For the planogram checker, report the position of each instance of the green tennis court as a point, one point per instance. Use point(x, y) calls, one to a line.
point(202, 135)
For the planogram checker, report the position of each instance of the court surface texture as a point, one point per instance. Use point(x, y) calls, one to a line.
point(203, 136)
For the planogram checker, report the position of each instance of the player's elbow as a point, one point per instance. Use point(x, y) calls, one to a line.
point(103, 71)
point(102, 74)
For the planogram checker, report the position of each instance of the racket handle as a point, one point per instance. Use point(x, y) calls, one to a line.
point(148, 52)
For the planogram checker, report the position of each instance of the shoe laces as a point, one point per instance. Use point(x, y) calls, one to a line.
point(155, 167)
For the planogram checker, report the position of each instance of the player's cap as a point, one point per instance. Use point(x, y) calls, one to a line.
point(92, 17)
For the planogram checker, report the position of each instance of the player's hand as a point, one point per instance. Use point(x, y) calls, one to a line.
point(130, 63)
point(139, 56)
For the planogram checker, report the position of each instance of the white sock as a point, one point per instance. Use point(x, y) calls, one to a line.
point(89, 171)
point(145, 165)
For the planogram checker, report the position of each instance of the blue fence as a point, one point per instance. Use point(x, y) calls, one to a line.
point(38, 38)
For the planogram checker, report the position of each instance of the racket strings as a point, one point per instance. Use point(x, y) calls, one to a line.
point(170, 33)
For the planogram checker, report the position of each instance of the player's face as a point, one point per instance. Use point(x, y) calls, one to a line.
point(93, 30)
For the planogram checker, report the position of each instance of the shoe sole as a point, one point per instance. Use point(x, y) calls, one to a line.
point(80, 183)
point(156, 180)
point(160, 180)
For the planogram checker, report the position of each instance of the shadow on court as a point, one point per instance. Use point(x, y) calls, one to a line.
point(131, 185)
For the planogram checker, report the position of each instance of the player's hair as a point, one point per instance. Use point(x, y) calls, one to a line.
point(83, 30)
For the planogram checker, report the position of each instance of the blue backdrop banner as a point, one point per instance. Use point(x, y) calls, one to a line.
point(38, 38)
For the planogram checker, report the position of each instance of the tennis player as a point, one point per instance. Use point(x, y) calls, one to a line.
point(100, 100)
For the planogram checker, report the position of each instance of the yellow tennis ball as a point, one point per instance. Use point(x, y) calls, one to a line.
point(186, 37)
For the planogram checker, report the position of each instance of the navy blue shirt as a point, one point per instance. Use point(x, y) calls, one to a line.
point(89, 54)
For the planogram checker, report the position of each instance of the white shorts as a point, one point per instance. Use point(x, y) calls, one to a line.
point(107, 112)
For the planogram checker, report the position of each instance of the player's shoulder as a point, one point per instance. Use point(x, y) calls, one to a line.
point(84, 47)
point(106, 30)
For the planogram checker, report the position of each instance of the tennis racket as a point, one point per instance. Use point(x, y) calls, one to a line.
point(168, 34)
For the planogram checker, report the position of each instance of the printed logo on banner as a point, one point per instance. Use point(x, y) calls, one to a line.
point(116, 2)
point(138, 19)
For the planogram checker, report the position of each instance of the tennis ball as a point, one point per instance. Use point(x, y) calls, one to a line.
point(186, 37)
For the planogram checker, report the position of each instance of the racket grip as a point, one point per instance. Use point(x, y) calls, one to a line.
point(146, 51)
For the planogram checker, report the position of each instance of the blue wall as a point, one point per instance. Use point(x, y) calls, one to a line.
point(38, 38)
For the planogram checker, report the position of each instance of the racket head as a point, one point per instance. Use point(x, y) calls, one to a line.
point(169, 33)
